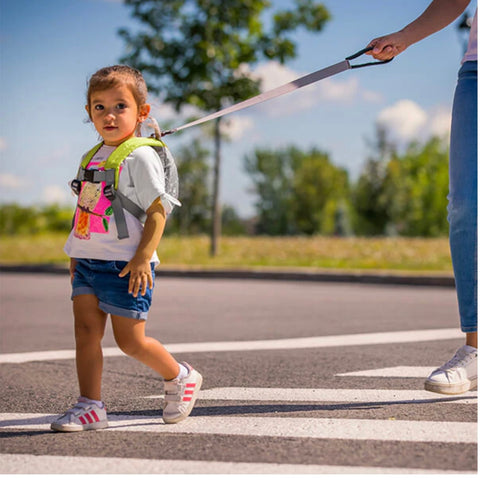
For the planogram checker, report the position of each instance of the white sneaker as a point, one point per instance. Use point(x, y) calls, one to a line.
point(82, 416)
point(180, 396)
point(458, 375)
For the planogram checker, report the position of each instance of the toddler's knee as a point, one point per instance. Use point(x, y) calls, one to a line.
point(86, 333)
point(129, 346)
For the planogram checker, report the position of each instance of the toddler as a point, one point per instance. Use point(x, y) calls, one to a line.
point(112, 276)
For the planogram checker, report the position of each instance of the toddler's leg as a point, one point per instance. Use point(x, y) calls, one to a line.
point(90, 324)
point(130, 337)
point(181, 382)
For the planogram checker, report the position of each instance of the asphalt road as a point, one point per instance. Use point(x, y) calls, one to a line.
point(299, 377)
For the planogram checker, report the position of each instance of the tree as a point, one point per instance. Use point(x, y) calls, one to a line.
point(191, 50)
point(193, 216)
point(416, 189)
point(271, 175)
point(298, 192)
point(368, 196)
point(320, 191)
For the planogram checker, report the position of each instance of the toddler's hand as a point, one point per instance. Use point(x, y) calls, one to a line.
point(140, 276)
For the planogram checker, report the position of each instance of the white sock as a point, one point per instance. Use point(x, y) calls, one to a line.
point(182, 373)
point(98, 403)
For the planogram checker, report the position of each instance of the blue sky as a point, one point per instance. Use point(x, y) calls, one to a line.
point(49, 48)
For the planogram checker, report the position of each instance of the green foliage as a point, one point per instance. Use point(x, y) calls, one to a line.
point(16, 219)
point(232, 224)
point(368, 195)
point(190, 51)
point(416, 189)
point(298, 192)
point(271, 174)
point(404, 194)
point(193, 217)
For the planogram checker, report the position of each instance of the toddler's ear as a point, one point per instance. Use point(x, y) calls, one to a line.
point(143, 112)
point(87, 108)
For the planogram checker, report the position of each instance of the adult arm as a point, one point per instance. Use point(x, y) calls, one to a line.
point(437, 16)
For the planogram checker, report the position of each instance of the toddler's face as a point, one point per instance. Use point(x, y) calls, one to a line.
point(115, 114)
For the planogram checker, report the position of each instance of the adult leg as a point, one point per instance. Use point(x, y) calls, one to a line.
point(90, 324)
point(462, 207)
point(130, 337)
point(459, 374)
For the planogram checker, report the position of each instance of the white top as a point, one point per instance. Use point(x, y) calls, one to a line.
point(94, 235)
point(471, 54)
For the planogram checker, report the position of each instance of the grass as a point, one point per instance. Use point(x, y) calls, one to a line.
point(420, 255)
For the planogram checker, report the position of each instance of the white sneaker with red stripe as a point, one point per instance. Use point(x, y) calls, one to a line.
point(180, 396)
point(82, 416)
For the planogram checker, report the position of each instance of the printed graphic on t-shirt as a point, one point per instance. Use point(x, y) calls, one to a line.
point(93, 208)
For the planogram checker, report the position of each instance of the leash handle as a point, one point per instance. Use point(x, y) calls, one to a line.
point(368, 64)
point(283, 89)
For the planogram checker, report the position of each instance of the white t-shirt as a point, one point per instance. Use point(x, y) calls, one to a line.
point(471, 54)
point(94, 235)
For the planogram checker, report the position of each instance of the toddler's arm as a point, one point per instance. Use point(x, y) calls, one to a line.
point(139, 265)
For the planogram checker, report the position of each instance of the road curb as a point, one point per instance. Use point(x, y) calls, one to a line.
point(253, 274)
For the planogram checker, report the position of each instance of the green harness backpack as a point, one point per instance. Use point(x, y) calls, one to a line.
point(111, 173)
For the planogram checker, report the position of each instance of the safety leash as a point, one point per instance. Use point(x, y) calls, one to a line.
point(284, 89)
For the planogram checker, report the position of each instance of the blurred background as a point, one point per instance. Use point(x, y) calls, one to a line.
point(360, 155)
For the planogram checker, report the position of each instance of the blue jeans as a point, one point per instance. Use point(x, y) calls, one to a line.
point(462, 198)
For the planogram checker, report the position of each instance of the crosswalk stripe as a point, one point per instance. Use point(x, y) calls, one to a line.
point(400, 372)
point(48, 464)
point(380, 338)
point(327, 428)
point(330, 395)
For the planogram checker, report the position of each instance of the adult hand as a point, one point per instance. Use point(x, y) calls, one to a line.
point(389, 46)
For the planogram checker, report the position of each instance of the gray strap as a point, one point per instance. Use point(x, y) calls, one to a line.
point(120, 221)
point(275, 92)
point(132, 207)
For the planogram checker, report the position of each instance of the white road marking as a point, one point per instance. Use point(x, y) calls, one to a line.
point(400, 371)
point(327, 428)
point(329, 395)
point(275, 344)
point(52, 464)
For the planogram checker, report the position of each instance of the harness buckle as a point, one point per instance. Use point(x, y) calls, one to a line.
point(109, 192)
point(89, 175)
point(76, 186)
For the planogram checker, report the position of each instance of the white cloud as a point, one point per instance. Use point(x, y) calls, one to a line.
point(236, 126)
point(273, 74)
point(440, 122)
point(55, 194)
point(8, 180)
point(404, 119)
point(3, 144)
point(407, 121)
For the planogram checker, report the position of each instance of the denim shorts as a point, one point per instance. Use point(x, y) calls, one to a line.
point(100, 278)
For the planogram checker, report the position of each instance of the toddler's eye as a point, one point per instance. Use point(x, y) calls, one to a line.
point(98, 107)
point(121, 106)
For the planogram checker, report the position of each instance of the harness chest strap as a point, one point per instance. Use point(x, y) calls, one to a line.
point(110, 176)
